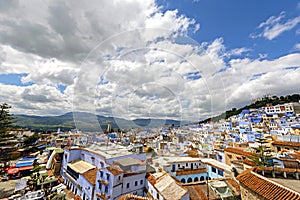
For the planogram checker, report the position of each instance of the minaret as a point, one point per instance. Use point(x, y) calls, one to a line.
point(108, 128)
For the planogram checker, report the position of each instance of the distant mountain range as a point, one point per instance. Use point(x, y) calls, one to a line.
point(86, 122)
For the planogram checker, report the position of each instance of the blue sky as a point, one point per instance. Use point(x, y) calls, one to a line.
point(134, 58)
point(235, 20)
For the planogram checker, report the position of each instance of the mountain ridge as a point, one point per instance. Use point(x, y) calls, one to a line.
point(86, 122)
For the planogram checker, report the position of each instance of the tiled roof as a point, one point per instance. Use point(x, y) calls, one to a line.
point(193, 171)
point(238, 151)
point(277, 169)
point(196, 192)
point(90, 175)
point(199, 190)
point(296, 155)
point(290, 144)
point(249, 162)
point(167, 186)
point(266, 188)
point(133, 197)
point(114, 169)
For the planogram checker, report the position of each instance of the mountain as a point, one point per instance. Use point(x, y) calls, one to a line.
point(86, 122)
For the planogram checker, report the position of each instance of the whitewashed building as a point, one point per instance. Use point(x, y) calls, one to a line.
point(103, 172)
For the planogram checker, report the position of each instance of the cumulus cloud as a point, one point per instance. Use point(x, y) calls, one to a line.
point(297, 46)
point(138, 63)
point(275, 26)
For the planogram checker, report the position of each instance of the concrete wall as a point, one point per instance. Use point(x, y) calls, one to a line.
point(247, 194)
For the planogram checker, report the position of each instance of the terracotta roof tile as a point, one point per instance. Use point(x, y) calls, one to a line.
point(152, 179)
point(133, 197)
point(193, 171)
point(290, 144)
point(115, 169)
point(296, 155)
point(249, 162)
point(199, 190)
point(264, 187)
point(91, 175)
point(238, 151)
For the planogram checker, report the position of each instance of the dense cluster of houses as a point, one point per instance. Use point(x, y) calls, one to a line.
point(203, 161)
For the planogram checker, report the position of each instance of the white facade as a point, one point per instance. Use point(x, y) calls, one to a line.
point(108, 184)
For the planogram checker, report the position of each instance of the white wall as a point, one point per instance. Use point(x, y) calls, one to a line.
point(131, 180)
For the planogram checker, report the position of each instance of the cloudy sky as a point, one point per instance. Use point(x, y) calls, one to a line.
point(179, 59)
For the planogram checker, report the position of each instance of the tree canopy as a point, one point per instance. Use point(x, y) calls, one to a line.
point(263, 155)
point(6, 121)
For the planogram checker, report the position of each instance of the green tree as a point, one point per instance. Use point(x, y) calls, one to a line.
point(31, 139)
point(263, 155)
point(6, 122)
point(36, 167)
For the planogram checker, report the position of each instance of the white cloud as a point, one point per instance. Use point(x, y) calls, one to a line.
point(136, 63)
point(275, 26)
point(297, 46)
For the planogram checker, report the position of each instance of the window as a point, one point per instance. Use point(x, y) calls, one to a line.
point(230, 156)
point(220, 172)
point(107, 176)
point(214, 170)
point(182, 180)
point(178, 165)
point(187, 164)
point(101, 164)
point(106, 189)
point(135, 183)
point(101, 174)
point(128, 185)
point(141, 182)
point(100, 186)
point(119, 178)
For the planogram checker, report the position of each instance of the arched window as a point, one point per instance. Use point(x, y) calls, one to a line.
point(182, 180)
point(190, 180)
point(202, 178)
point(196, 179)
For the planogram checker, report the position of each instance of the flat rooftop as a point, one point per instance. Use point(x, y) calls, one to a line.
point(109, 151)
point(216, 164)
point(81, 166)
point(128, 162)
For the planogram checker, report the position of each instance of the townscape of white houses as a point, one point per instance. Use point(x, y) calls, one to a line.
point(211, 160)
